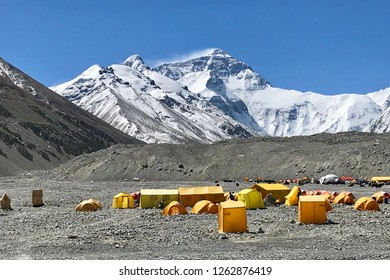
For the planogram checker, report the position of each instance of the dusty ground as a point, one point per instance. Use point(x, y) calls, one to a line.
point(360, 155)
point(56, 231)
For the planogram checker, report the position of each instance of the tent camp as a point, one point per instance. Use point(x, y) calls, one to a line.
point(88, 205)
point(292, 198)
point(251, 198)
point(232, 216)
point(157, 198)
point(312, 209)
point(189, 196)
point(366, 203)
point(174, 208)
point(123, 200)
point(205, 206)
point(278, 191)
point(344, 198)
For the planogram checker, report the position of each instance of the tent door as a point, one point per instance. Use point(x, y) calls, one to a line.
point(125, 202)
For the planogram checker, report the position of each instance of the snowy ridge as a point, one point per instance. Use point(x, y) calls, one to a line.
point(15, 76)
point(212, 97)
point(149, 106)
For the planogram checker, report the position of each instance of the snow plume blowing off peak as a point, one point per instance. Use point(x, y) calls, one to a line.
point(187, 56)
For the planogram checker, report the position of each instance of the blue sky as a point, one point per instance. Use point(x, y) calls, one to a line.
point(328, 47)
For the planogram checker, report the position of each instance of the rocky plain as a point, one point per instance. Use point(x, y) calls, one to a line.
point(56, 231)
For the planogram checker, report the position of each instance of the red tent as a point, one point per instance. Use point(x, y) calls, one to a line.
point(346, 178)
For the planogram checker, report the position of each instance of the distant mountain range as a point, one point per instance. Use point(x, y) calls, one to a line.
point(40, 129)
point(214, 97)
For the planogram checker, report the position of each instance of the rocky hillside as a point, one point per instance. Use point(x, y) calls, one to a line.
point(40, 129)
point(354, 154)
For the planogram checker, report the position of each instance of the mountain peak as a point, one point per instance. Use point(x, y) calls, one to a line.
point(219, 52)
point(136, 63)
point(220, 65)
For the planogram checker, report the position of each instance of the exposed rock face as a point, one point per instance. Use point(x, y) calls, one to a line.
point(40, 129)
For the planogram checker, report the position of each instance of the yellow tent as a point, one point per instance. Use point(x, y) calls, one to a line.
point(205, 206)
point(292, 198)
point(380, 196)
point(157, 197)
point(327, 195)
point(344, 198)
point(380, 179)
point(312, 209)
point(366, 203)
point(174, 208)
point(328, 206)
point(88, 205)
point(278, 191)
point(232, 216)
point(252, 198)
point(189, 196)
point(123, 200)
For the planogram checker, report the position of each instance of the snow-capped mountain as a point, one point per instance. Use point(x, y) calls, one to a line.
point(278, 112)
point(212, 97)
point(216, 77)
point(149, 106)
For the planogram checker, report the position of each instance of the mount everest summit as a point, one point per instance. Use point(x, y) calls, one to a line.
point(215, 97)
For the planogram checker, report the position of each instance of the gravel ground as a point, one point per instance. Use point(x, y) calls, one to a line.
point(57, 231)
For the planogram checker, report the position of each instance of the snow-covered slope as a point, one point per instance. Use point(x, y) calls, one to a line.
point(288, 113)
point(148, 105)
point(382, 123)
point(216, 77)
point(213, 97)
point(219, 77)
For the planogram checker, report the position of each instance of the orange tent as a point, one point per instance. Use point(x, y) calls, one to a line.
point(205, 206)
point(328, 195)
point(328, 206)
point(174, 208)
point(366, 203)
point(344, 198)
point(88, 205)
point(380, 196)
point(317, 192)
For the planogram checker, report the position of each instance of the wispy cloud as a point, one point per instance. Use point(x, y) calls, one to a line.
point(182, 57)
